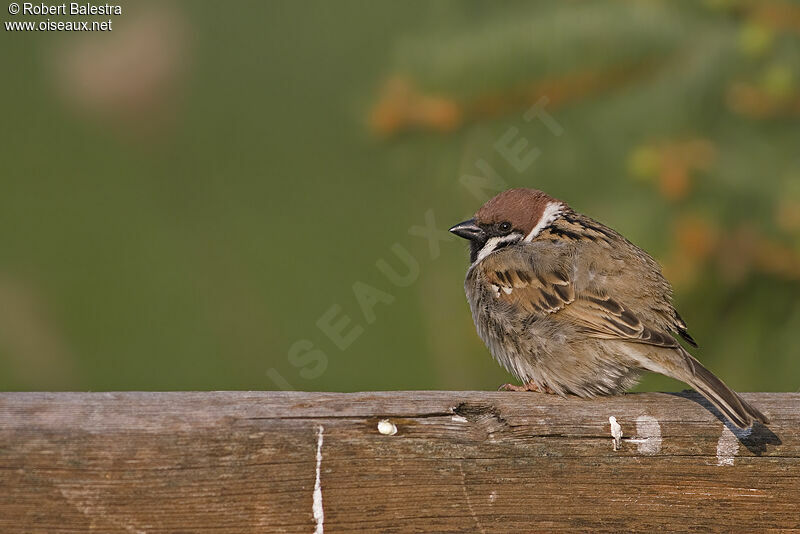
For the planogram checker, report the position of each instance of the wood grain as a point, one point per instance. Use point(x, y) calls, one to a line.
point(228, 462)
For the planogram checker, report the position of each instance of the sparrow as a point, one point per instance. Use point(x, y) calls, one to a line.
point(569, 306)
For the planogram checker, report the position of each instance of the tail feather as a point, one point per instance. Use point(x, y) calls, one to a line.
point(739, 411)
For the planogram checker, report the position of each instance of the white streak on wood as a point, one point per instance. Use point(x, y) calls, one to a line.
point(728, 444)
point(319, 513)
point(616, 432)
point(387, 428)
point(648, 435)
point(468, 499)
point(89, 503)
point(459, 419)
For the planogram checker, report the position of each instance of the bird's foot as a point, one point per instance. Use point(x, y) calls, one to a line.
point(511, 387)
point(530, 386)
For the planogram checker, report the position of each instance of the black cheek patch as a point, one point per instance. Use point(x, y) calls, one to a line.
point(474, 249)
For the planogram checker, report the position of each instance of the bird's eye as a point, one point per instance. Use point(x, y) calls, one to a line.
point(505, 226)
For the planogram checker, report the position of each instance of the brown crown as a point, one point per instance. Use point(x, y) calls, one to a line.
point(521, 207)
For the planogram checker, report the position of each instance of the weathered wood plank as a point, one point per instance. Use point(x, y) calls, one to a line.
point(459, 462)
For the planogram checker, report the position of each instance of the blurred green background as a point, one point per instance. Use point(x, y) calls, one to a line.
point(184, 197)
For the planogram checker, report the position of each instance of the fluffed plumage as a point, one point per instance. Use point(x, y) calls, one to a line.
point(570, 306)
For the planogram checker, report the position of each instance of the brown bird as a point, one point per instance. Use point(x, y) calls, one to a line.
point(569, 306)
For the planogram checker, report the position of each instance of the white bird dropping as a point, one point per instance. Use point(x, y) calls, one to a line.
point(386, 427)
point(616, 432)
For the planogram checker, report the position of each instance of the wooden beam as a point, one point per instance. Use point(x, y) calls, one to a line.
point(228, 462)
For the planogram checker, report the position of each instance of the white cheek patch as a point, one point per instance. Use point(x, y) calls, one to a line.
point(494, 242)
point(550, 213)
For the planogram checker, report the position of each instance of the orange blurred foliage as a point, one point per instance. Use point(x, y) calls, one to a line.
point(787, 214)
point(696, 242)
point(401, 107)
point(776, 15)
point(672, 164)
point(695, 236)
point(757, 103)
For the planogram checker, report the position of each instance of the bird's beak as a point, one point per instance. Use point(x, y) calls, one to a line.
point(468, 230)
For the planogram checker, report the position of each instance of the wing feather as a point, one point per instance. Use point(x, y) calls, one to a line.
point(520, 283)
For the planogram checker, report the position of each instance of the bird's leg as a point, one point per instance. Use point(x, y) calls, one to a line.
point(530, 386)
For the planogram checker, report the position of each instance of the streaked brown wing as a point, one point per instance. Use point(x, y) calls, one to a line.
point(606, 318)
point(514, 280)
